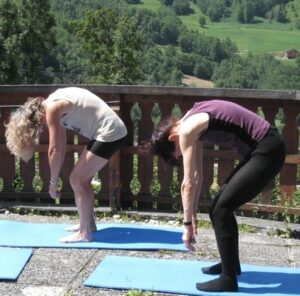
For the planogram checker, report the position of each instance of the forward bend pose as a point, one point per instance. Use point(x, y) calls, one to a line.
point(82, 111)
point(262, 150)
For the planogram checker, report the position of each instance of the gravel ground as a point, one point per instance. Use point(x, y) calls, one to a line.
point(62, 272)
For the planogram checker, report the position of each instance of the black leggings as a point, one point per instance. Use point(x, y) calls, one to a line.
point(247, 180)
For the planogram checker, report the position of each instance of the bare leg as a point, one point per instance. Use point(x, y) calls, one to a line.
point(85, 200)
point(86, 167)
point(76, 227)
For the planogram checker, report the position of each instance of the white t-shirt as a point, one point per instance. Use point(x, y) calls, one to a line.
point(90, 116)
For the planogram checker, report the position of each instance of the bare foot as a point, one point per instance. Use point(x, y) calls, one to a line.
point(73, 228)
point(77, 237)
point(76, 228)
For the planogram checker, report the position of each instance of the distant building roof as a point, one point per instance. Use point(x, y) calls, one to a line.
point(291, 50)
point(291, 53)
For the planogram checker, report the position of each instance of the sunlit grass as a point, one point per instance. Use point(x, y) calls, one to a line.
point(261, 37)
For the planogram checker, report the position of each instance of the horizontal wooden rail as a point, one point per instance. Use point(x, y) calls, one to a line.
point(138, 181)
point(292, 159)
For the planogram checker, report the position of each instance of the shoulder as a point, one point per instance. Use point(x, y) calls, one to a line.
point(195, 123)
point(61, 106)
point(191, 128)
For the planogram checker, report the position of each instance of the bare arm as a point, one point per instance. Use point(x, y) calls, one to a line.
point(199, 182)
point(192, 151)
point(57, 140)
point(188, 185)
point(192, 164)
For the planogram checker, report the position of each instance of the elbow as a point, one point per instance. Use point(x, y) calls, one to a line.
point(54, 150)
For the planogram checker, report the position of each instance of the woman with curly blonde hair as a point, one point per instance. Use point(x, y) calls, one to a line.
point(86, 114)
point(24, 128)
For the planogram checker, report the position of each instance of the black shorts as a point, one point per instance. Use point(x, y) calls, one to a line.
point(105, 149)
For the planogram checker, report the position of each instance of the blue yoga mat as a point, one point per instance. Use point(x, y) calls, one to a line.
point(12, 262)
point(107, 236)
point(181, 276)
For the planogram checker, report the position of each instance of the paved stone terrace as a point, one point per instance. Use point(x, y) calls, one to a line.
point(62, 272)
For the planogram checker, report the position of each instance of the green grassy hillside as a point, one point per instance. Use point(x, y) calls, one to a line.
point(257, 39)
point(262, 37)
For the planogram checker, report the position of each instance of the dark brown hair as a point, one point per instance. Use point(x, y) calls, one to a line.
point(160, 142)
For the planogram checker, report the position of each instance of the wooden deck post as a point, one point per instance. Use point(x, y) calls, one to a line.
point(114, 181)
point(114, 170)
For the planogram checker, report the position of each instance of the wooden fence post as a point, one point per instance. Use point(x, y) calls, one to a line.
point(114, 169)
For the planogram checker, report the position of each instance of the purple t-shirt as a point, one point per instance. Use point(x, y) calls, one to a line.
point(231, 124)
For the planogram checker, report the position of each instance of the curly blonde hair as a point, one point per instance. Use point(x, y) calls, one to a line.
point(24, 128)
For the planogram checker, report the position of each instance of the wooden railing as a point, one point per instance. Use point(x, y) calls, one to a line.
point(136, 181)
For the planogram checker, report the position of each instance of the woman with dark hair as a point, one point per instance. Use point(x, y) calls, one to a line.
point(263, 153)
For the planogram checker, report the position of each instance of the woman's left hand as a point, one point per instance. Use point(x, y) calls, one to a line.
point(189, 238)
point(53, 191)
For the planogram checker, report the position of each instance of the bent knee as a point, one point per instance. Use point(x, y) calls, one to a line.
point(218, 214)
point(78, 181)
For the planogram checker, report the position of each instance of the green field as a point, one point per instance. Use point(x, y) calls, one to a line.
point(257, 40)
point(262, 37)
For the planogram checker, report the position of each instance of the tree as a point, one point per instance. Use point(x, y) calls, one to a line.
point(234, 73)
point(186, 41)
point(214, 9)
point(9, 44)
point(279, 13)
point(244, 10)
point(203, 68)
point(237, 11)
point(126, 52)
point(133, 1)
point(162, 27)
point(249, 11)
point(112, 45)
point(169, 31)
point(187, 62)
point(36, 38)
point(181, 7)
point(202, 21)
point(160, 67)
point(297, 23)
point(71, 61)
point(166, 2)
point(260, 72)
point(26, 40)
